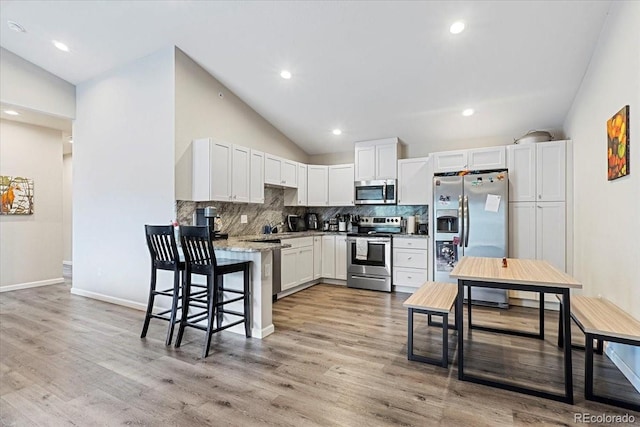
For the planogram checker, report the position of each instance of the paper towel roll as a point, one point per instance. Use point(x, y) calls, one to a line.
point(411, 225)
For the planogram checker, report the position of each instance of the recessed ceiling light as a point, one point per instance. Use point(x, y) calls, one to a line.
point(12, 112)
point(336, 132)
point(285, 74)
point(468, 112)
point(16, 27)
point(63, 47)
point(457, 27)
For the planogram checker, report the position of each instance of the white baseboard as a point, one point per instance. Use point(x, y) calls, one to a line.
point(67, 263)
point(299, 288)
point(47, 282)
point(404, 289)
point(109, 299)
point(626, 370)
point(333, 282)
point(260, 334)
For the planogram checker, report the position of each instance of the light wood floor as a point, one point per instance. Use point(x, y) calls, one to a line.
point(338, 357)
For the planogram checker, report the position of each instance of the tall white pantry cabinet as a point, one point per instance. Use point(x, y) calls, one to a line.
point(540, 202)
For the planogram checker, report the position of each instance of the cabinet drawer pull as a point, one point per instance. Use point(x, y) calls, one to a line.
point(409, 258)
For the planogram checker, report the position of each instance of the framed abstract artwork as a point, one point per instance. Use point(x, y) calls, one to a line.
point(618, 144)
point(17, 195)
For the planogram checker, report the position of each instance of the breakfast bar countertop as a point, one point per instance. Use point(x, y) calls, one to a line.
point(241, 244)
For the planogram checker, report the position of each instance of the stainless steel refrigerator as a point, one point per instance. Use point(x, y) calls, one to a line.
point(471, 215)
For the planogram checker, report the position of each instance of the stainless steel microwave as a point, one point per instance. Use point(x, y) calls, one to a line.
point(377, 192)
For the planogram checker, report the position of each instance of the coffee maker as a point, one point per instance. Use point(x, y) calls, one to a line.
point(311, 220)
point(209, 217)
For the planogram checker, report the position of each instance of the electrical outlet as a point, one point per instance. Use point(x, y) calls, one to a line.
point(267, 270)
point(243, 219)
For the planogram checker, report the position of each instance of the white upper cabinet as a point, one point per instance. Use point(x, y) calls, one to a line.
point(365, 163)
point(449, 161)
point(414, 181)
point(302, 185)
point(487, 158)
point(376, 159)
point(473, 159)
point(200, 167)
point(256, 188)
point(298, 196)
point(537, 172)
point(280, 172)
point(211, 170)
point(240, 174)
point(220, 161)
point(521, 162)
point(318, 185)
point(551, 158)
point(341, 185)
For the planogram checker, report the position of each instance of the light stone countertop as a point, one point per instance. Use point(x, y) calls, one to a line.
point(412, 236)
point(249, 243)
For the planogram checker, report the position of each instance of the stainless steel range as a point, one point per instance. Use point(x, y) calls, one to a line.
point(369, 253)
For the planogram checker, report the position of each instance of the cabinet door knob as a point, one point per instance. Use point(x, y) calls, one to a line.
point(410, 258)
point(409, 277)
point(539, 196)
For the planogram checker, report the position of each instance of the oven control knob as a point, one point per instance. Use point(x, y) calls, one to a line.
point(396, 219)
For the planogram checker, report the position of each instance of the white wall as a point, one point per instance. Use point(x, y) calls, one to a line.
point(123, 176)
point(31, 245)
point(67, 207)
point(26, 85)
point(201, 113)
point(607, 213)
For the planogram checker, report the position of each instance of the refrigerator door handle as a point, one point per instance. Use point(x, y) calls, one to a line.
point(468, 220)
point(460, 225)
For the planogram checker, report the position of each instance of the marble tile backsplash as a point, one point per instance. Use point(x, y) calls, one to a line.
point(273, 212)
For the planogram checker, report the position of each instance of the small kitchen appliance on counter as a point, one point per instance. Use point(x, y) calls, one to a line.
point(208, 216)
point(311, 219)
point(296, 223)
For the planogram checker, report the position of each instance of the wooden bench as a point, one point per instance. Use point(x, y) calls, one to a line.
point(601, 320)
point(432, 299)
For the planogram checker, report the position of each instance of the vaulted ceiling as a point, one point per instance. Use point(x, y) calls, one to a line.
point(370, 68)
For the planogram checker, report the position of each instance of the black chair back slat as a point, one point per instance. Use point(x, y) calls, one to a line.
point(162, 244)
point(197, 247)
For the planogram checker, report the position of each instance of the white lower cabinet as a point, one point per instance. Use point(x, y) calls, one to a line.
point(341, 257)
point(297, 262)
point(317, 257)
point(312, 258)
point(537, 230)
point(410, 261)
point(329, 257)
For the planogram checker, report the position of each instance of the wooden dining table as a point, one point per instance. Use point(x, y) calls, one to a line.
point(521, 275)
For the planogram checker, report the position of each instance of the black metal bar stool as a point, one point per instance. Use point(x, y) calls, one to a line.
point(200, 259)
point(164, 256)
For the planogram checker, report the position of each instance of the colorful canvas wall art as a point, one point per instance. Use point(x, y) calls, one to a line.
point(17, 195)
point(618, 144)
